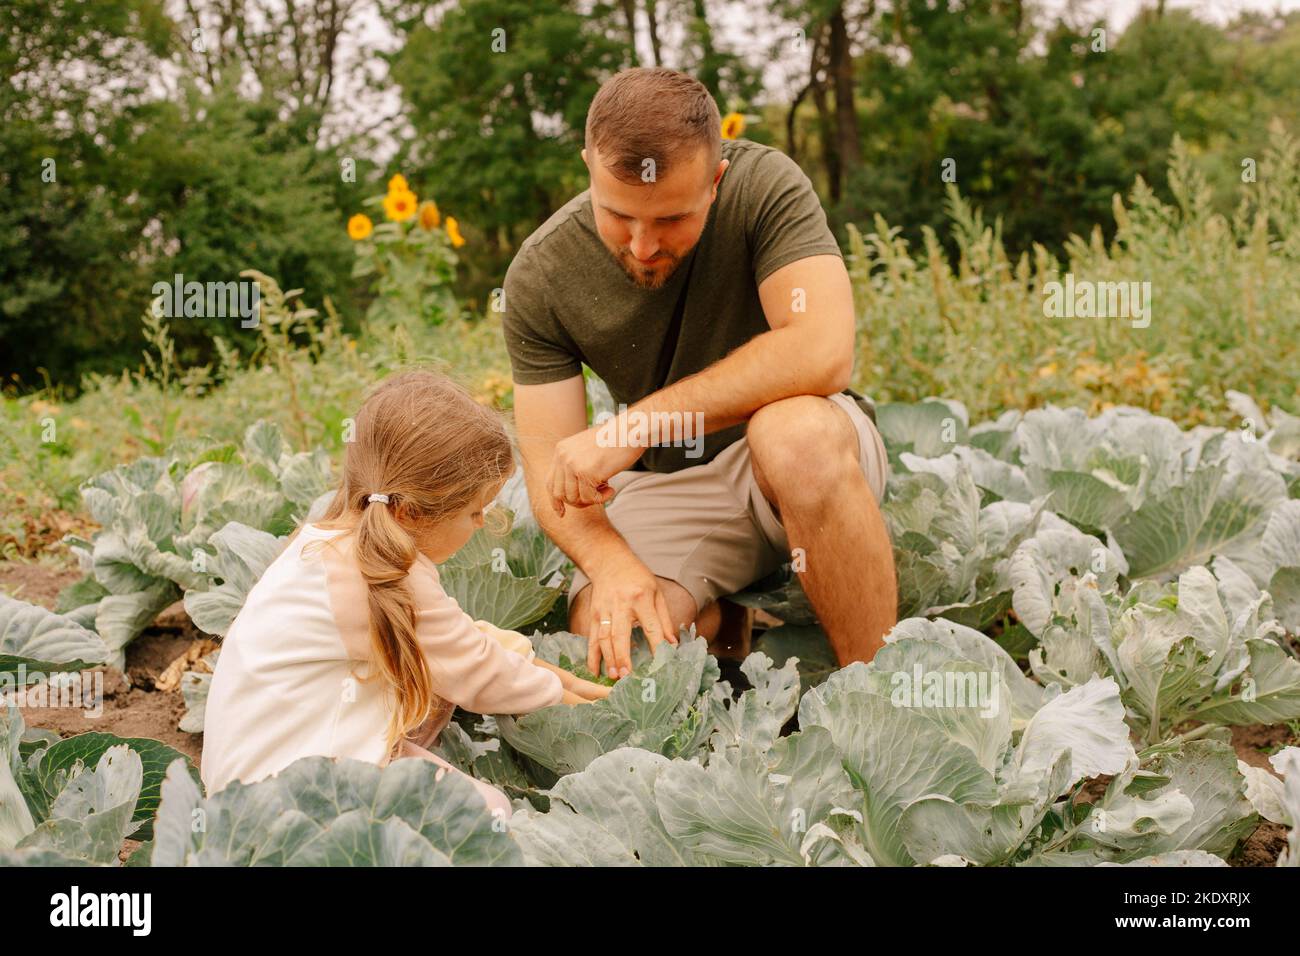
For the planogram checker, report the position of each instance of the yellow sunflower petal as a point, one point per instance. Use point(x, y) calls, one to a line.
point(429, 215)
point(400, 206)
point(360, 226)
point(453, 232)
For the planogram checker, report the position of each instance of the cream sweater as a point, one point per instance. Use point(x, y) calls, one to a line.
point(290, 679)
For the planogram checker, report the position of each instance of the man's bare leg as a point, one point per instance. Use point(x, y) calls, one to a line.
point(804, 454)
point(731, 629)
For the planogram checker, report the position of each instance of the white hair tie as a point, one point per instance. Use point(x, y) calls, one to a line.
point(378, 497)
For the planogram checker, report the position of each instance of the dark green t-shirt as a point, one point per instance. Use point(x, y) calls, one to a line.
point(567, 302)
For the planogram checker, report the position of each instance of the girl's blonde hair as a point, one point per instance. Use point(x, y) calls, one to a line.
point(422, 440)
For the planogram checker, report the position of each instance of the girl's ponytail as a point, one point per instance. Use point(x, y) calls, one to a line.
point(422, 441)
point(385, 552)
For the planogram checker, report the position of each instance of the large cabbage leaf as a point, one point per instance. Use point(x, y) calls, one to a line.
point(41, 640)
point(512, 577)
point(242, 556)
point(322, 812)
point(1202, 648)
point(663, 706)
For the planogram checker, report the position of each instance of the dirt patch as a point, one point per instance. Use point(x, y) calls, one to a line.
point(130, 710)
point(1262, 847)
point(1256, 743)
point(132, 705)
point(36, 583)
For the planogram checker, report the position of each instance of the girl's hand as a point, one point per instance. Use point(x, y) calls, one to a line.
point(576, 690)
point(586, 690)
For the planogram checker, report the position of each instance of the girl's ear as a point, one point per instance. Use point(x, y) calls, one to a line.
point(402, 512)
point(402, 507)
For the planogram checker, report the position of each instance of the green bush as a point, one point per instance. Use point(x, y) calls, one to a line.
point(1225, 301)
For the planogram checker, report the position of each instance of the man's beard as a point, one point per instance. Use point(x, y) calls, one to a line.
point(643, 277)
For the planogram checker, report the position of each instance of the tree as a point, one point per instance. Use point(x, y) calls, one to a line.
point(105, 189)
point(497, 92)
point(288, 49)
point(65, 216)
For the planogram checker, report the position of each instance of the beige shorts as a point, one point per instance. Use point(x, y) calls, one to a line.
point(709, 527)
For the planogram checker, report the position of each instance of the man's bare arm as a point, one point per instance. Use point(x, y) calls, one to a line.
point(808, 352)
point(624, 590)
point(545, 414)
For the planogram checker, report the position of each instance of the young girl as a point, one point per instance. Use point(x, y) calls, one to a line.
point(348, 646)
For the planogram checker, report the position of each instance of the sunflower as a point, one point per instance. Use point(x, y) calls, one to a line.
point(400, 206)
point(360, 227)
point(429, 216)
point(398, 184)
point(453, 232)
point(733, 126)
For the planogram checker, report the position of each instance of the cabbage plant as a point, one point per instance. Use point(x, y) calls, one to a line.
point(74, 800)
point(1205, 648)
point(870, 779)
point(874, 776)
point(159, 514)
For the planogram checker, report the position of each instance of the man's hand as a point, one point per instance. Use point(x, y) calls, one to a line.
point(581, 468)
point(622, 594)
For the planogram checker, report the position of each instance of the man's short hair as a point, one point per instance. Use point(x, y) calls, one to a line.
point(652, 113)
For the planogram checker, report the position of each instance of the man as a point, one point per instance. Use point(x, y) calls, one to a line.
point(699, 279)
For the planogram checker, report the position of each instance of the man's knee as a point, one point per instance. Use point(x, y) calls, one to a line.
point(801, 449)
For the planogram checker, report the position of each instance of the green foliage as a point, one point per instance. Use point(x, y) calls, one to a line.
point(80, 797)
point(413, 262)
point(305, 373)
point(237, 188)
point(528, 103)
point(242, 154)
point(65, 218)
point(1042, 125)
point(203, 186)
point(975, 329)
